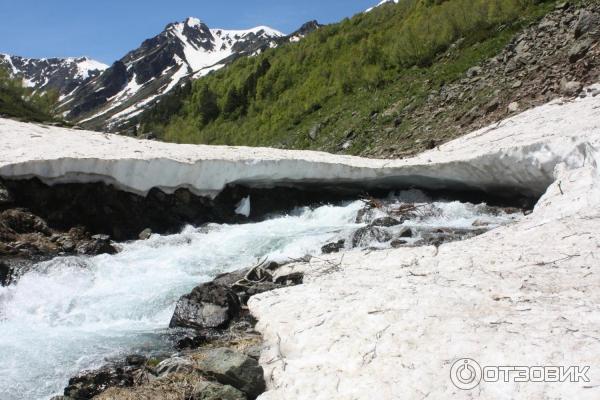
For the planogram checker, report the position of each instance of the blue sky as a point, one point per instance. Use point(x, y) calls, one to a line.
point(107, 29)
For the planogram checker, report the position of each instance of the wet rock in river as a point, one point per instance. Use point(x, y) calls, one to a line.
point(369, 234)
point(386, 222)
point(334, 247)
point(209, 305)
point(295, 278)
point(5, 274)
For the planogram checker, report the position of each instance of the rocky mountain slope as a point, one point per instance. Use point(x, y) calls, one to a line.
point(60, 74)
point(552, 57)
point(184, 50)
point(391, 83)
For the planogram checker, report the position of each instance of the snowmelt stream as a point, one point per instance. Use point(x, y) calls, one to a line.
point(73, 313)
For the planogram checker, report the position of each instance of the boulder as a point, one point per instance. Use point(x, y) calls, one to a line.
point(145, 234)
point(586, 23)
point(23, 221)
point(334, 247)
point(314, 132)
point(386, 222)
point(99, 244)
point(406, 233)
point(580, 49)
point(368, 234)
point(513, 107)
point(570, 88)
point(215, 391)
point(232, 368)
point(210, 305)
point(492, 105)
point(474, 71)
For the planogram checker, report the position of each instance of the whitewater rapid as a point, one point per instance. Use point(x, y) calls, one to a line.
point(74, 313)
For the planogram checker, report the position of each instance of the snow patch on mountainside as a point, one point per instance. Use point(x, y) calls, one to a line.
point(380, 4)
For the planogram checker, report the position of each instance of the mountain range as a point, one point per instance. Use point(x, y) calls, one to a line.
point(96, 96)
point(101, 97)
point(61, 74)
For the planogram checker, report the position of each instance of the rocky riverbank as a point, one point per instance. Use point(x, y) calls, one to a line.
point(216, 346)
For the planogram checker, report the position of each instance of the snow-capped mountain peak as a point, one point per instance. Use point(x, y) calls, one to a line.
point(61, 74)
point(183, 50)
point(193, 22)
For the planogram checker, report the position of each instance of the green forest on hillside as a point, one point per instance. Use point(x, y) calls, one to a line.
point(18, 101)
point(314, 93)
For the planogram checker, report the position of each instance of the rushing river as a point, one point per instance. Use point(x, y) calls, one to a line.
point(73, 313)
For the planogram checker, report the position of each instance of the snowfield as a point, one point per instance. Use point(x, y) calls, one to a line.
point(390, 324)
point(518, 154)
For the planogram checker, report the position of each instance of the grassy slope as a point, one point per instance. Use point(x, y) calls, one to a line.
point(350, 79)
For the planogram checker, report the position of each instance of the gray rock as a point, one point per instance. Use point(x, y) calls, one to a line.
point(314, 132)
point(474, 71)
point(368, 234)
point(547, 24)
point(406, 233)
point(174, 365)
point(492, 105)
point(570, 88)
point(145, 234)
point(513, 107)
point(209, 305)
point(346, 145)
point(215, 391)
point(580, 49)
point(521, 48)
point(586, 23)
point(386, 222)
point(397, 243)
point(235, 369)
point(334, 247)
